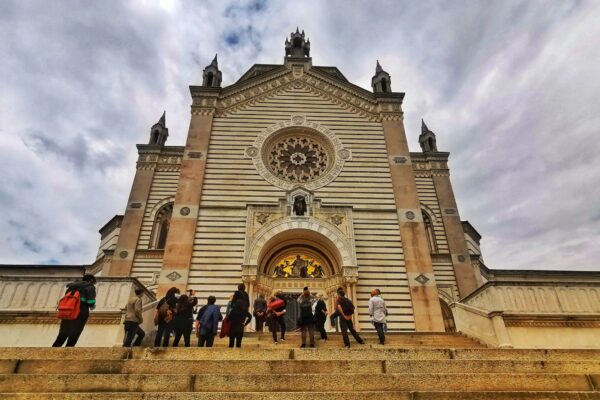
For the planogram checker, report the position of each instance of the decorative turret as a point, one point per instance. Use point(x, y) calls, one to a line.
point(159, 132)
point(381, 81)
point(427, 139)
point(297, 46)
point(211, 76)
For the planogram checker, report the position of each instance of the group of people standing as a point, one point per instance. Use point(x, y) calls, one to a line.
point(175, 315)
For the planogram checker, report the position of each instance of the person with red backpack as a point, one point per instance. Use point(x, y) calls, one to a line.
point(74, 310)
point(276, 310)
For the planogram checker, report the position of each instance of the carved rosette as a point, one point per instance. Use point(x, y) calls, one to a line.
point(297, 153)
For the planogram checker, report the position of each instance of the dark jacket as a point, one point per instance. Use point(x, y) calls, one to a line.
point(87, 295)
point(238, 318)
point(320, 310)
point(171, 300)
point(260, 305)
point(306, 316)
point(243, 296)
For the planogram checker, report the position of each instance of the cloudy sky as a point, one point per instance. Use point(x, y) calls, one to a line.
point(511, 88)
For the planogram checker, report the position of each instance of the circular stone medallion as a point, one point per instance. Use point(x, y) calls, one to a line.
point(184, 211)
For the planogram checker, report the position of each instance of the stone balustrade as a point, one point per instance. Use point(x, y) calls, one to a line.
point(43, 293)
point(534, 314)
point(28, 310)
point(538, 298)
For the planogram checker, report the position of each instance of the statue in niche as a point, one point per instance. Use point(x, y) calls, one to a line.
point(318, 272)
point(299, 205)
point(298, 266)
point(278, 272)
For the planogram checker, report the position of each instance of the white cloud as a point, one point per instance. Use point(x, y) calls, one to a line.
point(510, 88)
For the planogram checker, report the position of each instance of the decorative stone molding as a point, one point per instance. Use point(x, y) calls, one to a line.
point(543, 321)
point(244, 94)
point(344, 245)
point(49, 318)
point(300, 125)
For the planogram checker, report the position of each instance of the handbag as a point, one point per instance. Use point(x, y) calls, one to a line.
point(225, 327)
point(274, 305)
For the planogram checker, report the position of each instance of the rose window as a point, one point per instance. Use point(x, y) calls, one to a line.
point(297, 159)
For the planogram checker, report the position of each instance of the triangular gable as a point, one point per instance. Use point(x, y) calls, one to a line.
point(254, 89)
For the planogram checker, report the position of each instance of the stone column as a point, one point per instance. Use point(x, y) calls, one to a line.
point(180, 242)
point(500, 330)
point(464, 272)
point(417, 260)
point(122, 261)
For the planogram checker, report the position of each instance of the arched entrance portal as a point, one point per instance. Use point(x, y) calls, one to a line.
point(290, 259)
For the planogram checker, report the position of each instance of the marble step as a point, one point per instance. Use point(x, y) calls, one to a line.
point(274, 353)
point(356, 395)
point(347, 382)
point(139, 366)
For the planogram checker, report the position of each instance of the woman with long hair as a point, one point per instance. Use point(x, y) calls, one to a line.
point(183, 320)
point(165, 309)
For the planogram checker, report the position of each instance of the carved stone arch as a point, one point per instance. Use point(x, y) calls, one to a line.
point(325, 230)
point(160, 205)
point(429, 212)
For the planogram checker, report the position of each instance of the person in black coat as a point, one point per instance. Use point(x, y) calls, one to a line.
point(183, 319)
point(239, 317)
point(307, 318)
point(260, 312)
point(70, 330)
point(321, 316)
point(242, 295)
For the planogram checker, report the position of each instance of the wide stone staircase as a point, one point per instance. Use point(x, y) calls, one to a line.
point(410, 366)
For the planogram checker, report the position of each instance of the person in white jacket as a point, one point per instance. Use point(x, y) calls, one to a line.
point(378, 313)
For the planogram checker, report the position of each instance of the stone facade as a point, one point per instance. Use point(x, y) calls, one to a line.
point(292, 177)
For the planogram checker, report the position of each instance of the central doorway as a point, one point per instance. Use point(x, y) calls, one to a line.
point(292, 311)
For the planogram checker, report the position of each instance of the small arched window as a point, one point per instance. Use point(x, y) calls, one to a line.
point(384, 85)
point(430, 232)
point(160, 229)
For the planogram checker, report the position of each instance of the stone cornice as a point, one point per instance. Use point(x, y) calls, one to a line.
point(49, 318)
point(515, 275)
point(551, 321)
point(349, 96)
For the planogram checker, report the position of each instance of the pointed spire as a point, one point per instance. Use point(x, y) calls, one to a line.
point(427, 138)
point(424, 128)
point(378, 68)
point(159, 131)
point(215, 62)
point(297, 30)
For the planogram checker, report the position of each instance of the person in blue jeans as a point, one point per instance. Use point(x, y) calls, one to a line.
point(164, 317)
point(207, 322)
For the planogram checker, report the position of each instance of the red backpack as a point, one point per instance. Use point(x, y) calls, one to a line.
point(69, 305)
